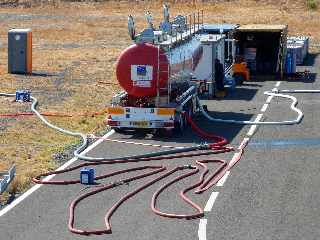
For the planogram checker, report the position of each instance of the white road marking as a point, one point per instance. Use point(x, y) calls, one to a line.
point(234, 158)
point(202, 231)
point(269, 99)
point(48, 178)
point(259, 117)
point(264, 107)
point(253, 128)
point(243, 143)
point(223, 179)
point(211, 201)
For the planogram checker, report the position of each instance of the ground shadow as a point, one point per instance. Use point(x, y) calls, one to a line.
point(238, 93)
point(249, 84)
point(229, 131)
point(302, 77)
point(264, 77)
point(310, 59)
point(42, 74)
point(46, 74)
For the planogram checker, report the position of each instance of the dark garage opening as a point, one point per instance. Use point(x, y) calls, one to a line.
point(262, 47)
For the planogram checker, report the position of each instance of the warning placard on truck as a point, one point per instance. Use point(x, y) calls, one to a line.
point(141, 75)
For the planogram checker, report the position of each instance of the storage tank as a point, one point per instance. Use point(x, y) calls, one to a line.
point(137, 70)
point(141, 65)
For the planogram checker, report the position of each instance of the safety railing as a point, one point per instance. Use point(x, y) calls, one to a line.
point(6, 178)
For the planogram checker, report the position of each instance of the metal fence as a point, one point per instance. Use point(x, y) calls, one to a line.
point(6, 178)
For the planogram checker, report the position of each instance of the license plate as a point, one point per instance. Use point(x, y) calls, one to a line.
point(140, 124)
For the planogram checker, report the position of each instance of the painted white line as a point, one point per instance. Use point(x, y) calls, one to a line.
point(264, 107)
point(244, 143)
point(253, 128)
point(202, 231)
point(234, 159)
point(269, 99)
point(48, 178)
point(211, 201)
point(223, 179)
point(259, 117)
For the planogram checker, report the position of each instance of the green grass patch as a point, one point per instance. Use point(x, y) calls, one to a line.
point(312, 4)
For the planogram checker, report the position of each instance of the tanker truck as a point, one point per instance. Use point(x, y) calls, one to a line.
point(157, 76)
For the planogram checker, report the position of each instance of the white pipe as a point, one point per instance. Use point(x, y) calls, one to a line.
point(298, 91)
point(290, 122)
point(85, 142)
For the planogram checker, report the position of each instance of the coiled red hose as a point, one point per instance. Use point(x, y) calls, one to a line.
point(203, 184)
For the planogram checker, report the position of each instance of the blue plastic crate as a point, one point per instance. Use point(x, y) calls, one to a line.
point(87, 176)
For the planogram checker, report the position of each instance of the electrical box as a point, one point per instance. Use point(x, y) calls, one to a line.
point(20, 51)
point(23, 96)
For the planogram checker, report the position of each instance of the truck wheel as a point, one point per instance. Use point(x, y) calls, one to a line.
point(162, 132)
point(143, 131)
point(179, 125)
point(189, 112)
point(239, 79)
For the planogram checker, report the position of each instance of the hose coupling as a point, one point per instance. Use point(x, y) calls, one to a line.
point(203, 146)
point(189, 166)
point(119, 183)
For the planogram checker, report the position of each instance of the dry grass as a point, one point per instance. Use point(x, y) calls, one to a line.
point(80, 42)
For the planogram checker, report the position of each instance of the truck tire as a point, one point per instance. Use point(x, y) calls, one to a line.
point(162, 132)
point(189, 112)
point(179, 125)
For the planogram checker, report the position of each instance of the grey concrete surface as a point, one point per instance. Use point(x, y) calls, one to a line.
point(272, 193)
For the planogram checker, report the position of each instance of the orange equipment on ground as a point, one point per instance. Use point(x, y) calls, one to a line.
point(241, 72)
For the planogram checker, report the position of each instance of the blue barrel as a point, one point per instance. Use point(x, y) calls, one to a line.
point(291, 61)
point(288, 65)
point(294, 63)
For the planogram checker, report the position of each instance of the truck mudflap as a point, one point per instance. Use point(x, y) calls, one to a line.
point(133, 117)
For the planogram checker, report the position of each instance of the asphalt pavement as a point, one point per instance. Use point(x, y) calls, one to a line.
point(272, 193)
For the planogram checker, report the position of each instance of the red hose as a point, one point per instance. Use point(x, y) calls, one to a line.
point(113, 208)
point(50, 114)
point(186, 199)
point(204, 183)
point(219, 141)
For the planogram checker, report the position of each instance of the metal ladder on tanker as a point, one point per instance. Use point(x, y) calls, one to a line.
point(281, 54)
point(159, 71)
